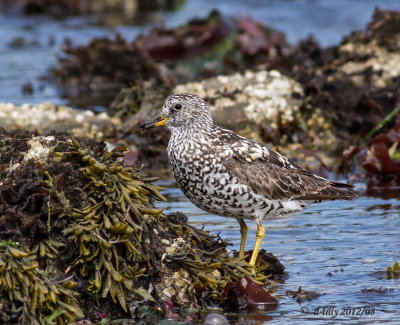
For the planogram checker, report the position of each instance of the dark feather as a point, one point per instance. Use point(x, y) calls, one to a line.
point(276, 177)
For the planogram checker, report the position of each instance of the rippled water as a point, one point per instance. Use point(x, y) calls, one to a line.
point(353, 241)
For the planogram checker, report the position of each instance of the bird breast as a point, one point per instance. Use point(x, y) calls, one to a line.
point(201, 175)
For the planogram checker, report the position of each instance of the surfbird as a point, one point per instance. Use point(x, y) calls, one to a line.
point(232, 176)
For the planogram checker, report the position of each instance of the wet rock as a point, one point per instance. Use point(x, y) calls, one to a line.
point(303, 295)
point(373, 55)
point(322, 101)
point(271, 264)
point(215, 319)
point(27, 89)
point(247, 294)
point(134, 105)
point(17, 42)
point(188, 41)
point(212, 46)
point(379, 290)
point(46, 117)
point(263, 105)
point(78, 213)
point(354, 84)
point(62, 8)
point(104, 66)
point(250, 100)
point(199, 49)
point(330, 93)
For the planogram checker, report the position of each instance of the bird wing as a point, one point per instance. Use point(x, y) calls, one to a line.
point(272, 175)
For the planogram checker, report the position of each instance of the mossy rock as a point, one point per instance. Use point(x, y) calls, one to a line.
point(80, 216)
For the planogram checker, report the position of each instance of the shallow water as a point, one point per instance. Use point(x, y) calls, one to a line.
point(353, 241)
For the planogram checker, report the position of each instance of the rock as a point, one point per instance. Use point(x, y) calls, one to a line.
point(101, 68)
point(215, 319)
point(322, 101)
point(46, 117)
point(264, 105)
point(202, 48)
point(250, 100)
point(70, 206)
point(247, 294)
point(352, 86)
point(61, 9)
point(375, 57)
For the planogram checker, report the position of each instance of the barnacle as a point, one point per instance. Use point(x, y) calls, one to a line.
point(31, 295)
point(206, 259)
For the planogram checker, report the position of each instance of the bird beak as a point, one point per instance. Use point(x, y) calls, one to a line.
point(153, 122)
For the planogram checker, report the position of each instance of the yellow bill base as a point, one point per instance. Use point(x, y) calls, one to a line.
point(162, 122)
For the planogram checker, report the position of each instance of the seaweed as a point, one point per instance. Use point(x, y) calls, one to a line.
point(379, 159)
point(108, 230)
point(79, 211)
point(31, 297)
point(393, 273)
point(122, 238)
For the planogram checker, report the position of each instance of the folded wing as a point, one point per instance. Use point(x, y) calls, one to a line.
point(274, 176)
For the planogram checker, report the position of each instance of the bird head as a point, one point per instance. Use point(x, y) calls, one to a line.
point(181, 111)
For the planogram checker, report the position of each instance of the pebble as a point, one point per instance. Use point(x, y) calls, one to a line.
point(215, 319)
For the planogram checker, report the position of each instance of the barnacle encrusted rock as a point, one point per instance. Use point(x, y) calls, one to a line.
point(47, 117)
point(80, 215)
point(375, 57)
point(252, 98)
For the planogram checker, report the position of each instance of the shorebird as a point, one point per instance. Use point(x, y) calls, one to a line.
point(226, 174)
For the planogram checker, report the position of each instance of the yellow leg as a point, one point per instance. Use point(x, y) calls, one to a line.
point(259, 238)
point(243, 235)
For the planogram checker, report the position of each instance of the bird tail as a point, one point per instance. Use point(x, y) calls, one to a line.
point(341, 185)
point(339, 191)
point(332, 191)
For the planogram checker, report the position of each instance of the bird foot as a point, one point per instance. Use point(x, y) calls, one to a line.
point(252, 269)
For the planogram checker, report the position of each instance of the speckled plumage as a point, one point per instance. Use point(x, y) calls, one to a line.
point(229, 175)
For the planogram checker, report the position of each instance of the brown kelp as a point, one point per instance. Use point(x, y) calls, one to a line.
point(29, 296)
point(80, 215)
point(108, 229)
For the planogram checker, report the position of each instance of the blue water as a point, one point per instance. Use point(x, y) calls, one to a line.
point(354, 241)
point(327, 20)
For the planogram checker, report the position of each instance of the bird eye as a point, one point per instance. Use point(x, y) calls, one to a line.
point(178, 107)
